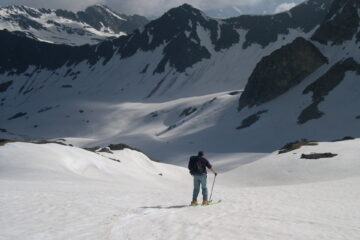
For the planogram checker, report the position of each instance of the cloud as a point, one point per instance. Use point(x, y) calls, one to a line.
point(284, 7)
point(159, 6)
point(54, 4)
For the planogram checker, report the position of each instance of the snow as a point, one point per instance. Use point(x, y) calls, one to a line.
point(113, 14)
point(115, 107)
point(60, 192)
point(43, 40)
point(284, 7)
point(52, 191)
point(116, 104)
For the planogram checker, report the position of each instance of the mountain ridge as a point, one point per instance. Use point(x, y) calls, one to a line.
point(146, 89)
point(96, 23)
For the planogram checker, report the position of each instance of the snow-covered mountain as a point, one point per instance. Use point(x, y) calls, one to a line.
point(91, 26)
point(176, 83)
point(239, 89)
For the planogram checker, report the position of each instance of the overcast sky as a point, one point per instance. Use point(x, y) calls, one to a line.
point(157, 7)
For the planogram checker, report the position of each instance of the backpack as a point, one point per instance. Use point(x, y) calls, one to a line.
point(195, 165)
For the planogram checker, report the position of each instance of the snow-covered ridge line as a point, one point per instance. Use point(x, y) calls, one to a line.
point(308, 161)
point(91, 26)
point(63, 142)
point(113, 13)
point(54, 160)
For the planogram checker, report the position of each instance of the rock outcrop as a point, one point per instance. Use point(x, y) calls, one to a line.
point(280, 71)
point(341, 24)
point(324, 85)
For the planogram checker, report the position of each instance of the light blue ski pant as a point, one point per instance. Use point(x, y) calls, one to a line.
point(200, 179)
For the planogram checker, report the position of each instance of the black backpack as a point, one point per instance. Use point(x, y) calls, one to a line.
point(195, 165)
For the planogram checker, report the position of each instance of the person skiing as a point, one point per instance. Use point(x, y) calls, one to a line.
point(197, 166)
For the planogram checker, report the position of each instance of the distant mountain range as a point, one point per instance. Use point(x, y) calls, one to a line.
point(248, 83)
point(91, 26)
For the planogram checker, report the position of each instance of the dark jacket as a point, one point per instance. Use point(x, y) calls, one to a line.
point(198, 165)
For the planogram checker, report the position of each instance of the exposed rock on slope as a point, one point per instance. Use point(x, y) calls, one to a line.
point(179, 30)
point(19, 52)
point(325, 84)
point(283, 69)
point(266, 29)
point(341, 23)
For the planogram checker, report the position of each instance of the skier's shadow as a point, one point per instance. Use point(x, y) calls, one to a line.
point(166, 207)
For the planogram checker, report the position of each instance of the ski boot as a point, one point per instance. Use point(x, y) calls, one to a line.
point(205, 202)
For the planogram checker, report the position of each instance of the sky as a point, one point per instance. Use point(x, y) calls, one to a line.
point(157, 7)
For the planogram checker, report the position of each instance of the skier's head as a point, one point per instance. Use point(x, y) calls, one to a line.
point(201, 153)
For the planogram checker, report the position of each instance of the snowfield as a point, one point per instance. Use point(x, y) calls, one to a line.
point(52, 191)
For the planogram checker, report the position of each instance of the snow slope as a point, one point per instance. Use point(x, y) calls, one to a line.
point(60, 192)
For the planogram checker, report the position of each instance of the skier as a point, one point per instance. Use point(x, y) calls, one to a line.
point(197, 166)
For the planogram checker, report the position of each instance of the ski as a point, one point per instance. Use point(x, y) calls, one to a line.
point(214, 202)
point(210, 203)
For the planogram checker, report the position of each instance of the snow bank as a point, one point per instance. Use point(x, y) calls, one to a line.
point(60, 192)
point(54, 162)
point(289, 168)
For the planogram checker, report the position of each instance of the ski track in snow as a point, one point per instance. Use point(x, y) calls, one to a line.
point(253, 217)
point(253, 214)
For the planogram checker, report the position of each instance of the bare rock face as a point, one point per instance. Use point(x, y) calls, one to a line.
point(318, 155)
point(324, 85)
point(250, 120)
point(99, 16)
point(280, 71)
point(341, 24)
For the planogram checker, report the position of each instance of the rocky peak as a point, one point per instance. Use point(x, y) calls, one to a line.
point(102, 11)
point(178, 29)
point(183, 17)
point(21, 9)
point(100, 16)
point(186, 8)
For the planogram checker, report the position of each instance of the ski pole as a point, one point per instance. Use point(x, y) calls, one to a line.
point(212, 188)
